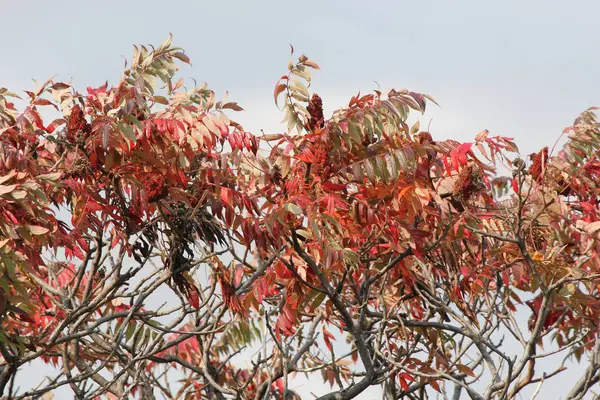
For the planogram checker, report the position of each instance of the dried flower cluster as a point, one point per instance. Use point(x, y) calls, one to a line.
point(469, 183)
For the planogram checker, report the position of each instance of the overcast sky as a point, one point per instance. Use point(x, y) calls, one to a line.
point(523, 69)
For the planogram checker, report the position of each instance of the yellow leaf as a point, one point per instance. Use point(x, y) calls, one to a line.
point(465, 370)
point(537, 256)
point(38, 230)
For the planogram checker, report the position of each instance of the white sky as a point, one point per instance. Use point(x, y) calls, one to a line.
point(522, 69)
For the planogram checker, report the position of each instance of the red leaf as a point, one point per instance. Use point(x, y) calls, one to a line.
point(515, 185)
point(232, 106)
point(403, 383)
point(42, 102)
point(278, 89)
point(193, 297)
point(55, 124)
point(334, 187)
point(282, 271)
point(328, 337)
point(33, 116)
point(285, 322)
point(435, 385)
point(239, 273)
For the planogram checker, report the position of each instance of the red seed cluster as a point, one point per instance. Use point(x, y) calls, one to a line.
point(315, 110)
point(538, 164)
point(77, 124)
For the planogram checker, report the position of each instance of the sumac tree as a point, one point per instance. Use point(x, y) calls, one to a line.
point(152, 247)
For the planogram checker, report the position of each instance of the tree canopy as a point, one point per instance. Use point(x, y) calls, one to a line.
point(152, 247)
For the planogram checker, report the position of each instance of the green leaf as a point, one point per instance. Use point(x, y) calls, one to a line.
point(128, 132)
point(369, 170)
point(293, 208)
point(304, 233)
point(382, 167)
point(297, 86)
point(50, 178)
point(166, 44)
point(302, 73)
point(354, 132)
point(130, 330)
point(332, 221)
point(299, 96)
point(317, 301)
point(9, 266)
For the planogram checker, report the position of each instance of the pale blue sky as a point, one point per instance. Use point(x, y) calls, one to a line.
point(518, 68)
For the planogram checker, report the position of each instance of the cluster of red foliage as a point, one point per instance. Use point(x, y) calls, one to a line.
point(358, 223)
